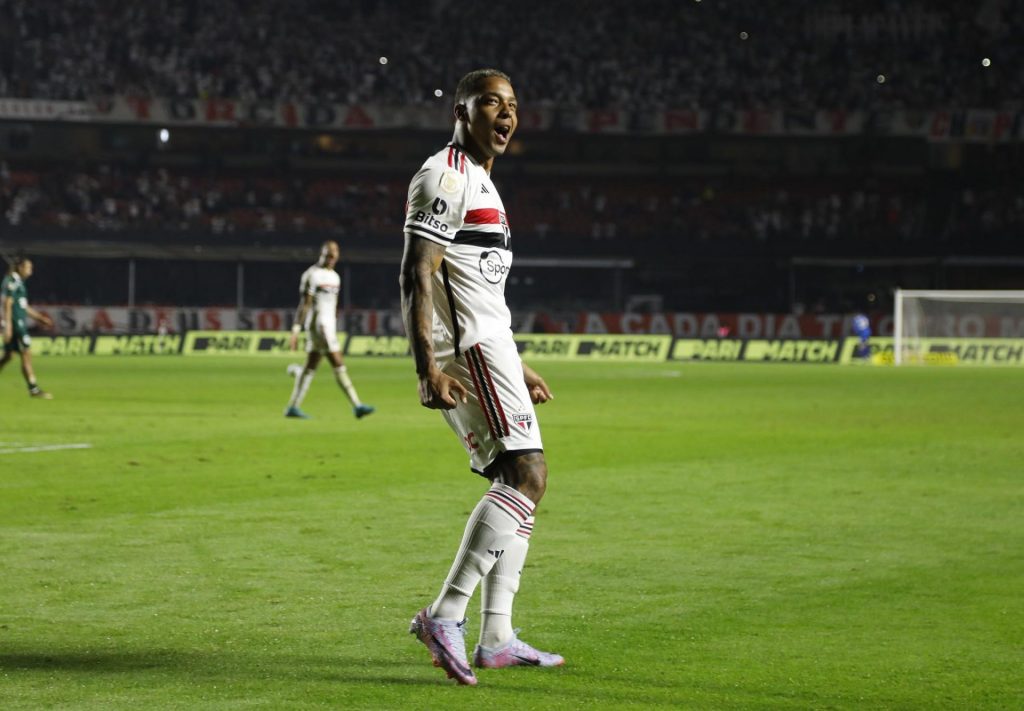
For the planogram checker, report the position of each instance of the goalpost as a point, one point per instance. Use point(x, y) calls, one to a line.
point(923, 314)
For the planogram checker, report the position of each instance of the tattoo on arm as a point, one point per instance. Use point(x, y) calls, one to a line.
point(419, 262)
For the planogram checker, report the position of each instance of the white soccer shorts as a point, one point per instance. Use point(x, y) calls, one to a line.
point(322, 338)
point(499, 417)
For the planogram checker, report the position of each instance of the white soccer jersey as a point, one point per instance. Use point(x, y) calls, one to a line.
point(453, 202)
point(323, 285)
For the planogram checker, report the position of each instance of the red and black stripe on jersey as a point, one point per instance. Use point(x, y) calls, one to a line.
point(456, 158)
point(475, 230)
point(427, 232)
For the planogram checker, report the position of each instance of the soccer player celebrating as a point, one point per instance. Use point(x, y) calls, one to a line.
point(318, 313)
point(456, 260)
point(14, 308)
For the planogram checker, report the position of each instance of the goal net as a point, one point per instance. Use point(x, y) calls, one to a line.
point(923, 317)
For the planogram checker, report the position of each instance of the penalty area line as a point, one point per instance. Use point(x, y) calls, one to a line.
point(43, 447)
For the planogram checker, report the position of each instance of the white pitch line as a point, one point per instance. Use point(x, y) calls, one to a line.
point(45, 448)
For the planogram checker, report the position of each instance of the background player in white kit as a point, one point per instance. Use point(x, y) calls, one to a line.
point(318, 314)
point(457, 258)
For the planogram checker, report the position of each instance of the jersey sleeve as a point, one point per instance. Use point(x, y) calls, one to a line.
point(436, 208)
point(306, 287)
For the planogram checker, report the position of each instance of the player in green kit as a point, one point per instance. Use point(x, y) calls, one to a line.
point(14, 309)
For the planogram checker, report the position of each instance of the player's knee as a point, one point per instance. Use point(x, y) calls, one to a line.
point(532, 474)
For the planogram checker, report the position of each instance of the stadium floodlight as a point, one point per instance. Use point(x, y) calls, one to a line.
point(920, 314)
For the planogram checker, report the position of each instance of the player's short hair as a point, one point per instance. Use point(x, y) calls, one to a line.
point(329, 243)
point(473, 82)
point(14, 264)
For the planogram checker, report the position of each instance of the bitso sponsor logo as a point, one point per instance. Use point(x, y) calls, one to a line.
point(439, 207)
point(492, 268)
point(430, 220)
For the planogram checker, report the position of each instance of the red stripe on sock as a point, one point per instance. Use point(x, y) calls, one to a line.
point(504, 505)
point(525, 509)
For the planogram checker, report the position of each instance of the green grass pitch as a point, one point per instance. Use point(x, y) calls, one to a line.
point(714, 537)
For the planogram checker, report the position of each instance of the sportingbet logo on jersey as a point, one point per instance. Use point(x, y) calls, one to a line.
point(492, 268)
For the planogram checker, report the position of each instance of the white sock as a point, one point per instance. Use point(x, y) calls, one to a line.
point(301, 386)
point(499, 587)
point(341, 375)
point(489, 532)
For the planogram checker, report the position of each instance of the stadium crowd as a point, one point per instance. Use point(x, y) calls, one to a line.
point(604, 216)
point(640, 55)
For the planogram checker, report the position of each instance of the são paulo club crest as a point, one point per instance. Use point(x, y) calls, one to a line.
point(523, 421)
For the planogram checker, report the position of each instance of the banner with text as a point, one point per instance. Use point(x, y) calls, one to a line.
point(244, 343)
point(70, 320)
point(786, 350)
point(141, 344)
point(940, 124)
point(952, 351)
point(637, 348)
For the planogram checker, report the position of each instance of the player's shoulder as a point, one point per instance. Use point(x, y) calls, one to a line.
point(451, 156)
point(449, 170)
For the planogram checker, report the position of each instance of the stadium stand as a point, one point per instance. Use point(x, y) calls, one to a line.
point(668, 53)
point(708, 219)
point(599, 216)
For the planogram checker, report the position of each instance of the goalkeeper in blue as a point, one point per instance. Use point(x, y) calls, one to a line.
point(862, 330)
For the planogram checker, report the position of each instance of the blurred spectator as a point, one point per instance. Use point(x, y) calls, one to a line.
point(604, 217)
point(639, 55)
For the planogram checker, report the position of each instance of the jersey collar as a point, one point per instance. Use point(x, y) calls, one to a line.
point(462, 149)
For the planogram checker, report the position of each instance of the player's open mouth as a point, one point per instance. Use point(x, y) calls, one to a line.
point(502, 133)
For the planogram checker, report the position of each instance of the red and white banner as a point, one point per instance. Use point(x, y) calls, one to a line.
point(761, 325)
point(709, 325)
point(384, 322)
point(151, 319)
point(972, 125)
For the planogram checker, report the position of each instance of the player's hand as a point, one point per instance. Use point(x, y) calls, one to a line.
point(540, 393)
point(45, 321)
point(441, 392)
point(293, 342)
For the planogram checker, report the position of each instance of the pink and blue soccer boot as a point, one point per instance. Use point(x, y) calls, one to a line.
point(446, 640)
point(514, 653)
